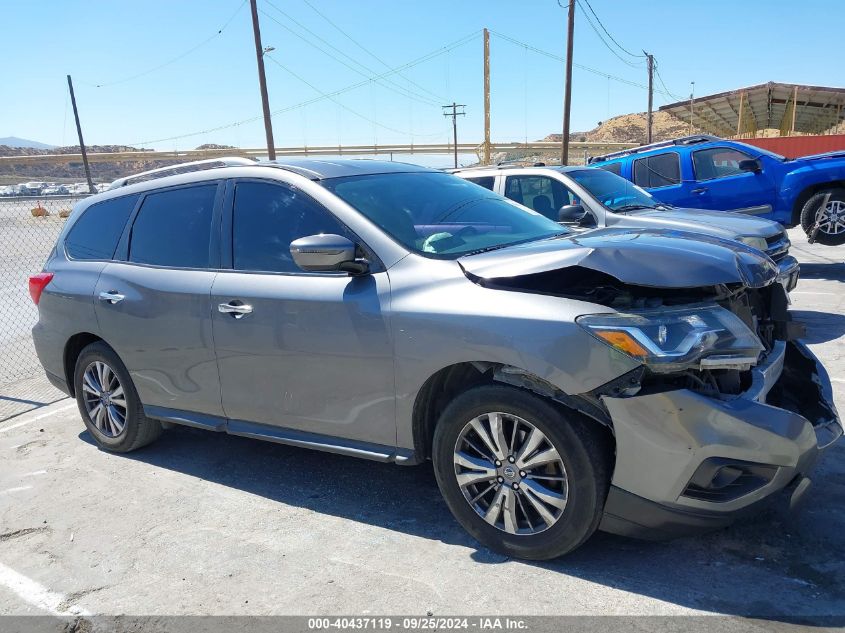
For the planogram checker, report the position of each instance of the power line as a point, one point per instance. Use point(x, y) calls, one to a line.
point(338, 103)
point(612, 39)
point(424, 58)
point(608, 46)
point(366, 50)
point(665, 89)
point(174, 59)
point(558, 58)
point(390, 85)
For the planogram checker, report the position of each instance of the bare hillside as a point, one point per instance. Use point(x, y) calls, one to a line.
point(630, 128)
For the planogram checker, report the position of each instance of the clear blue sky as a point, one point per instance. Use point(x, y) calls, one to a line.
point(720, 44)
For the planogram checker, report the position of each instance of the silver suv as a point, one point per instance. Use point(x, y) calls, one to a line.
point(643, 382)
point(585, 198)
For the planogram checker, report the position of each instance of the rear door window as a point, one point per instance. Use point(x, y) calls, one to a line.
point(660, 170)
point(173, 228)
point(96, 233)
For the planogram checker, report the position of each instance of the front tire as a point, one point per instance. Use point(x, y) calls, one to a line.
point(522, 476)
point(830, 217)
point(109, 403)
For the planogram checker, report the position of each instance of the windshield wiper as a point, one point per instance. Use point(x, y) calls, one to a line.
point(496, 247)
point(632, 207)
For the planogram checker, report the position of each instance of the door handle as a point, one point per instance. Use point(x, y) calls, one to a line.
point(699, 191)
point(112, 297)
point(237, 310)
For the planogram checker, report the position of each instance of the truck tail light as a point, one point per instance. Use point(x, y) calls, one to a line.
point(37, 283)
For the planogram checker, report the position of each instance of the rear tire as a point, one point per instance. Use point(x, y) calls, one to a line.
point(536, 512)
point(108, 402)
point(832, 230)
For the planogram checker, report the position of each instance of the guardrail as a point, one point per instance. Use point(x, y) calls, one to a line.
point(575, 147)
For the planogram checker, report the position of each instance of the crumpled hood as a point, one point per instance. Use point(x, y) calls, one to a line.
point(642, 257)
point(720, 223)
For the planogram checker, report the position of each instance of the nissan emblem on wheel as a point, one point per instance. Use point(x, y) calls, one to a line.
point(636, 379)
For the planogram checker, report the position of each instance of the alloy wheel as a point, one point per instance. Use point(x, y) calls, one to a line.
point(105, 399)
point(830, 218)
point(510, 473)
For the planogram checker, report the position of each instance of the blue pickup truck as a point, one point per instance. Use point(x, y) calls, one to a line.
point(707, 172)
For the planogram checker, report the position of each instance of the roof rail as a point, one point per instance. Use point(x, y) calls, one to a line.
point(683, 140)
point(503, 165)
point(183, 168)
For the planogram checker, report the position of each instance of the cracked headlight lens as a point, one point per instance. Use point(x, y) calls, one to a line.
point(670, 340)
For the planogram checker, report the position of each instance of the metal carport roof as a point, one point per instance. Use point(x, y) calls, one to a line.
point(788, 108)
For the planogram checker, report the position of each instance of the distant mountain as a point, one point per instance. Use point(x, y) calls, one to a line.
point(14, 141)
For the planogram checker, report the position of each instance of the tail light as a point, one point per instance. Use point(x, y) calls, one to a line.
point(37, 283)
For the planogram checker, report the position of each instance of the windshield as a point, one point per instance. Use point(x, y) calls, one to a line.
point(614, 192)
point(441, 215)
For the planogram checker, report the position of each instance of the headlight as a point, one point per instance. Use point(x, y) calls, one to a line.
point(755, 242)
point(707, 337)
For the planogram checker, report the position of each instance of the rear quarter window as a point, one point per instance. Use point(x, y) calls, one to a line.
point(96, 233)
point(485, 181)
point(613, 168)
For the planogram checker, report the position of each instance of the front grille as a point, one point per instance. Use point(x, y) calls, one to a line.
point(777, 246)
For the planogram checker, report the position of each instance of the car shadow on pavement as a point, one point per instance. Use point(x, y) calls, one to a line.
point(774, 566)
point(834, 271)
point(821, 326)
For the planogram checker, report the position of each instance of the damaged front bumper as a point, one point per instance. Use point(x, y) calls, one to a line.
point(788, 272)
point(689, 462)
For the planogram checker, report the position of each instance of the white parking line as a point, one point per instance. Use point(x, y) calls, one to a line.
point(36, 594)
point(17, 489)
point(34, 473)
point(17, 425)
point(830, 294)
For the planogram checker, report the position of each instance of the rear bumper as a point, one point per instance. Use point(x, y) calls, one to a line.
point(58, 382)
point(686, 462)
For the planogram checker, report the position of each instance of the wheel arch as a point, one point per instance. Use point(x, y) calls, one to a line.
point(447, 383)
point(807, 193)
point(73, 348)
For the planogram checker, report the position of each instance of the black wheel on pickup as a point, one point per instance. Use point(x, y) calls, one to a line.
point(826, 213)
point(109, 403)
point(520, 474)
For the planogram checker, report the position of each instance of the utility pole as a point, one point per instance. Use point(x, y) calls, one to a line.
point(691, 95)
point(91, 188)
point(486, 153)
point(454, 114)
point(262, 82)
point(650, 118)
point(567, 88)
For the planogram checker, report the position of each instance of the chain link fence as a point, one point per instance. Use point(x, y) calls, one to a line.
point(28, 230)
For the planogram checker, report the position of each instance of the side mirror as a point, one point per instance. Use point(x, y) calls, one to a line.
point(751, 164)
point(570, 213)
point(587, 221)
point(327, 253)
